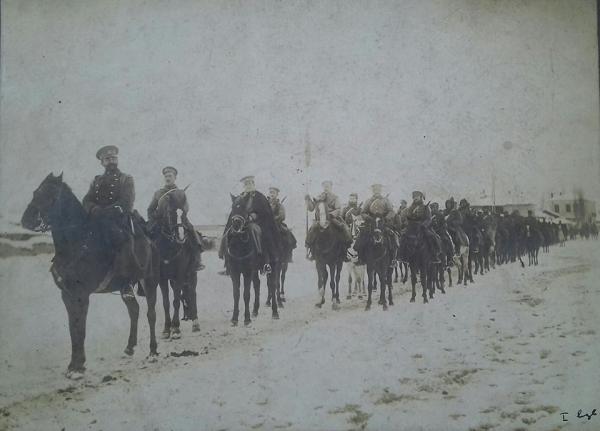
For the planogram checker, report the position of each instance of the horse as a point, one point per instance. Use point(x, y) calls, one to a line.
point(533, 242)
point(81, 265)
point(378, 255)
point(414, 251)
point(283, 262)
point(329, 251)
point(176, 260)
point(241, 258)
point(461, 258)
point(356, 271)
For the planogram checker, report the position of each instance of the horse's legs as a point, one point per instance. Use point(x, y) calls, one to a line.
point(256, 284)
point(413, 281)
point(350, 282)
point(370, 276)
point(390, 274)
point(192, 301)
point(321, 281)
point(77, 308)
point(382, 273)
point(177, 287)
point(235, 279)
point(272, 282)
point(150, 292)
point(424, 283)
point(284, 268)
point(247, 282)
point(133, 308)
point(338, 274)
point(164, 289)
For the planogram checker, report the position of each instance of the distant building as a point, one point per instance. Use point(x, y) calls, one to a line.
point(571, 207)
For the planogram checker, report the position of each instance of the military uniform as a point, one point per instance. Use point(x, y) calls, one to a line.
point(454, 223)
point(377, 206)
point(438, 223)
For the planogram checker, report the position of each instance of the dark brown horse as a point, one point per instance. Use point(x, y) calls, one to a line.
point(379, 253)
point(176, 252)
point(82, 262)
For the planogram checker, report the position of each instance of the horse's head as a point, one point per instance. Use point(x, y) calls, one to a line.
point(171, 209)
point(357, 223)
point(238, 217)
point(37, 214)
point(322, 215)
point(378, 230)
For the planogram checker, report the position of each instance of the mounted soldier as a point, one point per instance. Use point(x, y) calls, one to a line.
point(438, 223)
point(400, 217)
point(156, 217)
point(351, 209)
point(454, 222)
point(279, 214)
point(334, 212)
point(109, 204)
point(261, 224)
point(420, 213)
point(377, 206)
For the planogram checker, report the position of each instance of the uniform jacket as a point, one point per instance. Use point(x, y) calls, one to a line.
point(111, 189)
point(332, 202)
point(386, 208)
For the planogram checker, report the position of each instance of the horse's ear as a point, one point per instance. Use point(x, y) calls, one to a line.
point(60, 177)
point(232, 197)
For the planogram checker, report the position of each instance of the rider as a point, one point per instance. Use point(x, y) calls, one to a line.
point(377, 206)
point(279, 214)
point(334, 210)
point(109, 203)
point(400, 217)
point(454, 222)
point(420, 213)
point(351, 209)
point(438, 223)
point(261, 224)
point(155, 222)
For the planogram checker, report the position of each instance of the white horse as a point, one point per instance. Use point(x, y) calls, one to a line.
point(356, 272)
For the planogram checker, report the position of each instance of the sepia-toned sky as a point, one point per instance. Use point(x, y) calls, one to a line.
point(433, 95)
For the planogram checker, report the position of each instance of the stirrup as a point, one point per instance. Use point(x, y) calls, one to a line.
point(267, 268)
point(127, 292)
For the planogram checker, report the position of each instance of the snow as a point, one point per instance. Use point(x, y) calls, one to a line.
point(514, 349)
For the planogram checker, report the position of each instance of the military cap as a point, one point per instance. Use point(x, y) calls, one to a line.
point(377, 186)
point(169, 169)
point(403, 202)
point(418, 193)
point(354, 195)
point(274, 188)
point(247, 178)
point(327, 182)
point(463, 203)
point(107, 151)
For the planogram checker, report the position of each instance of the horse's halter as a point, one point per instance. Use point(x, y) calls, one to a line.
point(377, 231)
point(44, 210)
point(177, 232)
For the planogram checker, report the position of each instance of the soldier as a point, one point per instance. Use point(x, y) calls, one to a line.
point(352, 209)
point(261, 224)
point(109, 203)
point(279, 214)
point(438, 223)
point(334, 208)
point(400, 217)
point(377, 206)
point(420, 213)
point(154, 220)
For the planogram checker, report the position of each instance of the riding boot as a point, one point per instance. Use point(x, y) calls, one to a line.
point(127, 291)
point(197, 263)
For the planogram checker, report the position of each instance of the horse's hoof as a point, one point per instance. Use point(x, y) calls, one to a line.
point(412, 299)
point(196, 327)
point(280, 304)
point(443, 291)
point(275, 316)
point(74, 375)
point(283, 299)
point(335, 306)
point(380, 302)
point(425, 301)
point(268, 303)
point(391, 303)
point(348, 297)
point(368, 307)
point(247, 322)
point(337, 300)
point(152, 358)
point(360, 296)
point(234, 322)
point(165, 335)
point(255, 314)
point(319, 304)
point(129, 351)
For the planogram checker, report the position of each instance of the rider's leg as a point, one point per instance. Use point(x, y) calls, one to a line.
point(310, 239)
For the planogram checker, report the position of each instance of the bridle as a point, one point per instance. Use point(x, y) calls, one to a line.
point(44, 225)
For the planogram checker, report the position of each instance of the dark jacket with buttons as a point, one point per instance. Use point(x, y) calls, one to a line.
point(111, 189)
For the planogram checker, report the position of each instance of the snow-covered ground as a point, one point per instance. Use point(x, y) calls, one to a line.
point(512, 351)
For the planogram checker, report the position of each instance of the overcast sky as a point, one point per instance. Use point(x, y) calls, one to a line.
point(433, 95)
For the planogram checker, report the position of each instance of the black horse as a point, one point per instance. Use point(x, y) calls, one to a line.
point(176, 263)
point(414, 251)
point(241, 258)
point(329, 251)
point(80, 265)
point(378, 255)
